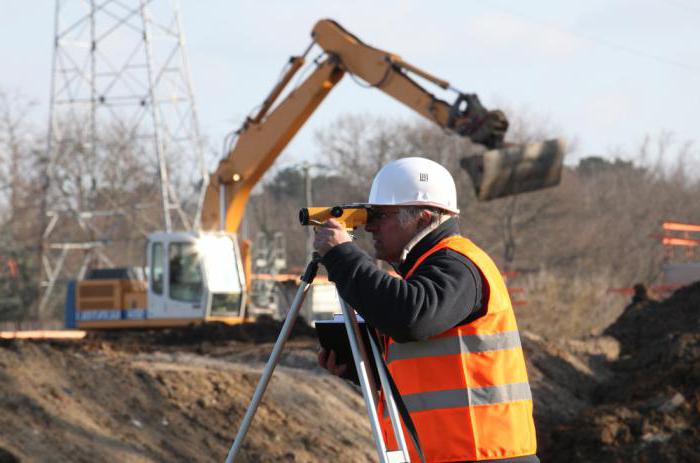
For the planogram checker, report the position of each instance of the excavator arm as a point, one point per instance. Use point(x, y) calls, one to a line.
point(390, 74)
point(260, 140)
point(263, 136)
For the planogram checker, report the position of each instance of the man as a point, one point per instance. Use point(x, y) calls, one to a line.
point(452, 344)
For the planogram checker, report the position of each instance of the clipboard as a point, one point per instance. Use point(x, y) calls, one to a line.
point(333, 336)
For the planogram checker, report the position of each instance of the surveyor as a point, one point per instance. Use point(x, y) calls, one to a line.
point(451, 341)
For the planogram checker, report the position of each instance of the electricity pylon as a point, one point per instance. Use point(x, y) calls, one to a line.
point(119, 66)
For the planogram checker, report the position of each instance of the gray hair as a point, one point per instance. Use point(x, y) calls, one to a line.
point(409, 213)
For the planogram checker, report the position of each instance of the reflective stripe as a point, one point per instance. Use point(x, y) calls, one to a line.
point(467, 397)
point(454, 345)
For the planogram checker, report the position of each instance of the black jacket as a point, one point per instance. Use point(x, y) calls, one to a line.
point(443, 292)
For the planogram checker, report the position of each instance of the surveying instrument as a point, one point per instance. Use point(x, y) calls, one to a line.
point(351, 217)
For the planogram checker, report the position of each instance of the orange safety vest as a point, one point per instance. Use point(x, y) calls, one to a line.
point(466, 389)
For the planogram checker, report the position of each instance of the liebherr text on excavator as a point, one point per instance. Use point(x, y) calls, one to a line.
point(200, 276)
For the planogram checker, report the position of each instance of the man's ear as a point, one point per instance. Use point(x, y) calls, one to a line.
point(425, 218)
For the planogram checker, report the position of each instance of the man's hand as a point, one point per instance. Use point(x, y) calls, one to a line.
point(327, 360)
point(329, 235)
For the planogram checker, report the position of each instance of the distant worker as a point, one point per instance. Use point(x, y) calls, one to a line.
point(451, 340)
point(640, 294)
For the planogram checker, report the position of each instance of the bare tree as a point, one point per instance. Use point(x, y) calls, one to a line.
point(19, 181)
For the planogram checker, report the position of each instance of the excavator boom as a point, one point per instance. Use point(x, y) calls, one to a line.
point(258, 145)
point(389, 73)
point(263, 137)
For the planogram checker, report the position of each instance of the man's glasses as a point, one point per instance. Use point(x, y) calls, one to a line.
point(375, 216)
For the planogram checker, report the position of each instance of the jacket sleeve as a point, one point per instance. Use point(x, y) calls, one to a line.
point(443, 291)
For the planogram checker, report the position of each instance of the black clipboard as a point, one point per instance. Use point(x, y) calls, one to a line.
point(333, 336)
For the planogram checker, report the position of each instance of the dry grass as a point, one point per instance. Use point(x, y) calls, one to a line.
point(564, 307)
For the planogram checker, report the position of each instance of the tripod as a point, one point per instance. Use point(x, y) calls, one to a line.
point(359, 354)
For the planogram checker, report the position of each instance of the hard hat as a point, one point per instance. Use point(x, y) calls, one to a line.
point(414, 181)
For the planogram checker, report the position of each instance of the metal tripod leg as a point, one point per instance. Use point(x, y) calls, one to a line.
point(369, 391)
point(298, 302)
point(390, 404)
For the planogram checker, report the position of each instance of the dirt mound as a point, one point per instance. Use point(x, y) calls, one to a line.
point(263, 330)
point(563, 376)
point(108, 399)
point(649, 408)
point(7, 457)
point(180, 394)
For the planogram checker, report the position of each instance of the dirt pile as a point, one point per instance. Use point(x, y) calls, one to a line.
point(196, 337)
point(156, 397)
point(632, 394)
point(648, 408)
point(564, 376)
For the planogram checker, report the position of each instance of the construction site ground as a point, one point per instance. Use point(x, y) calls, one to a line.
point(178, 395)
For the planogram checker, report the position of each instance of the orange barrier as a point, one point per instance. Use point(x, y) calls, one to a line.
point(684, 235)
point(507, 276)
point(671, 241)
point(43, 334)
point(659, 289)
point(686, 227)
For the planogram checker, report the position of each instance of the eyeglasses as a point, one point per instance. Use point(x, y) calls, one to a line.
point(375, 216)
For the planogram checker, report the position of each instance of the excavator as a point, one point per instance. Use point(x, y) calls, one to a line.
point(200, 276)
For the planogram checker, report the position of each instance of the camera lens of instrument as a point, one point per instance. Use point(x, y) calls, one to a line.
point(304, 216)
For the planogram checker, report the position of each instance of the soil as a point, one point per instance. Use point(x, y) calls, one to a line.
point(632, 394)
point(174, 396)
point(648, 408)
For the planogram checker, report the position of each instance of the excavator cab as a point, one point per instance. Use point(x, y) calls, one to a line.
point(195, 275)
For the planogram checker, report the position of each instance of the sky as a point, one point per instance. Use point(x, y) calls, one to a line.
point(602, 74)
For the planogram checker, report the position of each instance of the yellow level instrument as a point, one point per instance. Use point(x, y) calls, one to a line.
point(350, 216)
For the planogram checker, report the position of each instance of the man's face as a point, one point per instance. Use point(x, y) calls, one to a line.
point(389, 235)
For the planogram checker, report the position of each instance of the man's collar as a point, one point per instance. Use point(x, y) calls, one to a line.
point(448, 228)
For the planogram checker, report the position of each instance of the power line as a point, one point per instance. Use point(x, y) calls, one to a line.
point(599, 40)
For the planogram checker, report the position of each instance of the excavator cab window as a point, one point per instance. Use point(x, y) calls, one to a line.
point(157, 268)
point(185, 273)
point(226, 303)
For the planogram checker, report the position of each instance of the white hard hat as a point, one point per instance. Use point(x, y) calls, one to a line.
point(414, 181)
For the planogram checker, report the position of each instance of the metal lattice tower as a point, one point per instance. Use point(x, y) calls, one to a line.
point(119, 71)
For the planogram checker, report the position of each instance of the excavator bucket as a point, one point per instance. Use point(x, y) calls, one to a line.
point(515, 169)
